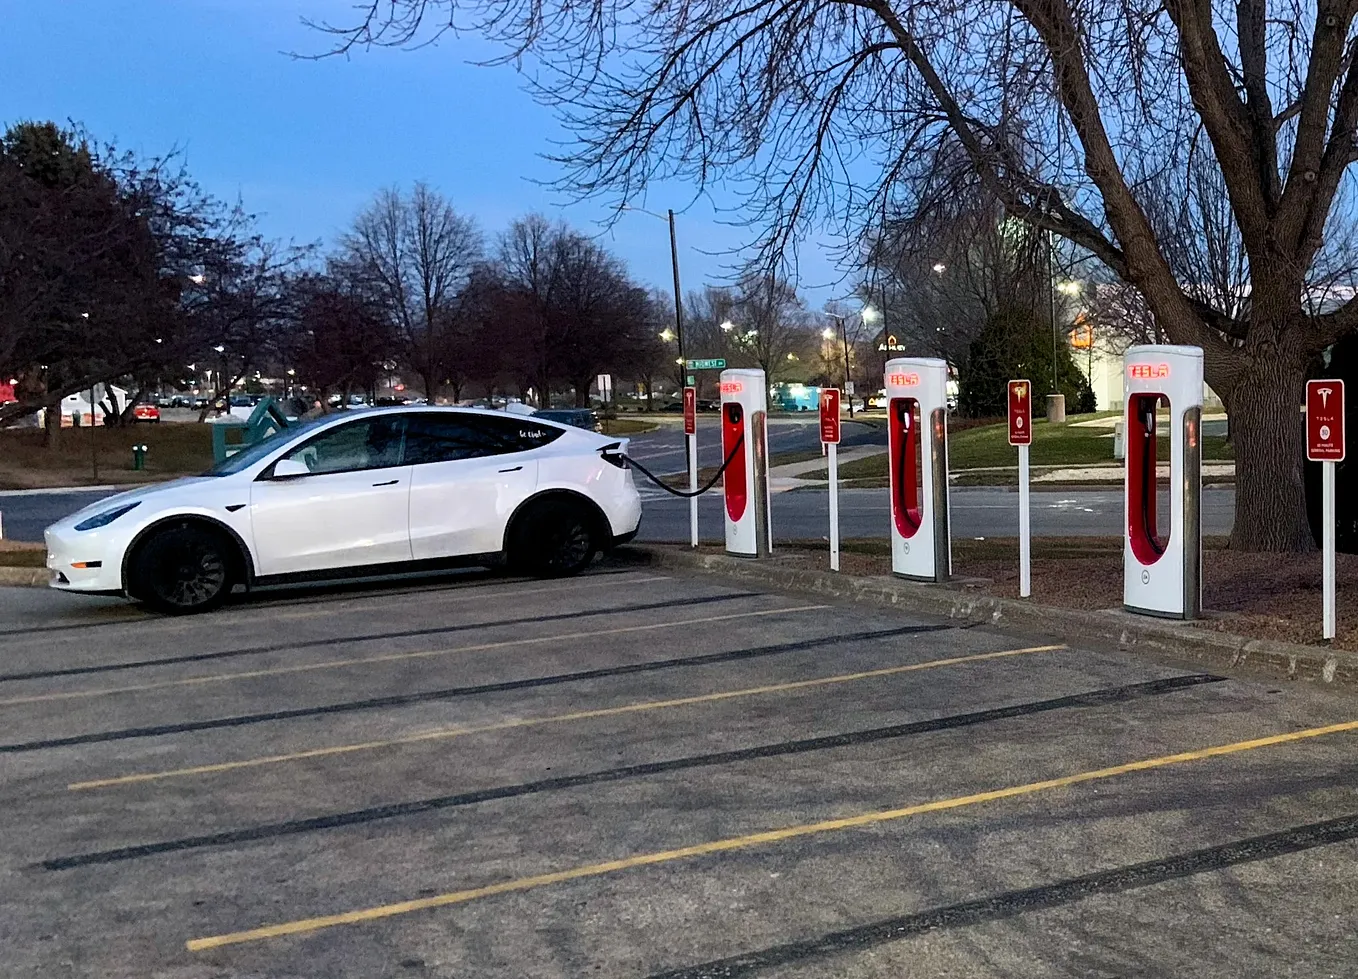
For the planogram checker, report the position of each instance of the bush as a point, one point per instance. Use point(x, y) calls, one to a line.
point(1016, 344)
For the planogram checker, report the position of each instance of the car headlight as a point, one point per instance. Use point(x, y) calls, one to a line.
point(107, 517)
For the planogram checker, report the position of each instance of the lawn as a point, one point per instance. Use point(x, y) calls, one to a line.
point(172, 450)
point(1053, 445)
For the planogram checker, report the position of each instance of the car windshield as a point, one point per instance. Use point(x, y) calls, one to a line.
point(251, 454)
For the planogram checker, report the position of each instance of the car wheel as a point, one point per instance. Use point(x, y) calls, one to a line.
point(182, 569)
point(556, 538)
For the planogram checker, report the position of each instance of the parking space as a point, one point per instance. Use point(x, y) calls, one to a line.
point(632, 773)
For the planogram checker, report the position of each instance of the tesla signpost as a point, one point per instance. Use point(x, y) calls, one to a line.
point(1021, 435)
point(1325, 445)
point(829, 437)
point(691, 436)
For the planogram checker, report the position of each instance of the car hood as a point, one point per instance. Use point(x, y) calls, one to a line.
point(140, 494)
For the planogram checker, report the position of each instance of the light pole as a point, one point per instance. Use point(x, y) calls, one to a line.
point(674, 263)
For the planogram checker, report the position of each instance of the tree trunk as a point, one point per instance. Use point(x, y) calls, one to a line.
point(1269, 436)
point(52, 426)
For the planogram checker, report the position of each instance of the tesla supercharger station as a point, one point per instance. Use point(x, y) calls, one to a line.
point(1162, 559)
point(917, 440)
point(745, 485)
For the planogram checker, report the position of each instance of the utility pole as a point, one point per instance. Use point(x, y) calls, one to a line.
point(678, 297)
point(844, 336)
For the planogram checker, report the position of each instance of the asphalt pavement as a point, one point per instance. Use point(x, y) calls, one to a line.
point(638, 774)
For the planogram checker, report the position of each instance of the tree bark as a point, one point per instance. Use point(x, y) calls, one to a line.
point(1270, 452)
point(52, 426)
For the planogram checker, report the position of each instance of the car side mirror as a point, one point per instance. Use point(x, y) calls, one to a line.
point(290, 469)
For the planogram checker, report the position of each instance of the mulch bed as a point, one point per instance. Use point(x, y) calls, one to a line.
point(1263, 596)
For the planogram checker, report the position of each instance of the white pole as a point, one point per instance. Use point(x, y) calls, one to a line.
point(693, 488)
point(834, 506)
point(1327, 536)
point(1025, 528)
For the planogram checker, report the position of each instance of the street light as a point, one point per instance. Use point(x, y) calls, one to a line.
point(828, 333)
point(674, 262)
point(940, 268)
point(1071, 287)
point(727, 326)
point(667, 334)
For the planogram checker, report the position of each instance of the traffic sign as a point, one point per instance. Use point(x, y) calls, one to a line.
point(1325, 421)
point(706, 365)
point(829, 415)
point(1020, 413)
point(690, 411)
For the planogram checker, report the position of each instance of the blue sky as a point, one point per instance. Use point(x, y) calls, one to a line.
point(305, 144)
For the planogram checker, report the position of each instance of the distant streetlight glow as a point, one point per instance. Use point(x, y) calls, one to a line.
point(727, 326)
point(1070, 287)
point(197, 279)
point(870, 315)
point(828, 333)
point(667, 334)
point(940, 268)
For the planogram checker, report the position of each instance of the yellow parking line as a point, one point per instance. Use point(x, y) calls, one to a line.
point(392, 657)
point(305, 925)
point(582, 715)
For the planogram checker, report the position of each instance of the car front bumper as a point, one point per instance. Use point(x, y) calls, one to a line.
point(84, 561)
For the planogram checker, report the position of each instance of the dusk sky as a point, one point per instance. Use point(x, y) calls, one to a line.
point(305, 144)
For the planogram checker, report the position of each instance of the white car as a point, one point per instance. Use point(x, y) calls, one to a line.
point(382, 491)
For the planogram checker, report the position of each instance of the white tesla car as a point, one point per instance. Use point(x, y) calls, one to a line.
point(383, 491)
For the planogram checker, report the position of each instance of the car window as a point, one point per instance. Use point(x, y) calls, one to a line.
point(373, 443)
point(448, 437)
point(252, 453)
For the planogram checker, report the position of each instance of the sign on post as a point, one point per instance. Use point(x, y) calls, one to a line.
point(706, 365)
point(829, 416)
point(1021, 435)
point(690, 411)
point(1325, 444)
point(829, 436)
point(1325, 421)
point(1020, 413)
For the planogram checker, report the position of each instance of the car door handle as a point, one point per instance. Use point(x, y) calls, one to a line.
point(512, 469)
point(390, 482)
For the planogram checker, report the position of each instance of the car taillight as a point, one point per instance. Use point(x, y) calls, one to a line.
point(613, 455)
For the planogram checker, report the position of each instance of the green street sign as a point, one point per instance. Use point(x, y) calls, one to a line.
point(706, 365)
point(690, 380)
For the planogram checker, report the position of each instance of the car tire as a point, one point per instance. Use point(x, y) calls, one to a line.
point(554, 539)
point(182, 569)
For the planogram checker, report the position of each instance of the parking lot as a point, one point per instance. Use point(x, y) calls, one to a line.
point(637, 774)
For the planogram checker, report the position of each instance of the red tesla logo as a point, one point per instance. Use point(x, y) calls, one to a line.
point(903, 380)
point(731, 387)
point(1146, 372)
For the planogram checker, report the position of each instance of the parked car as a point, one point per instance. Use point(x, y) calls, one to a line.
point(586, 418)
point(145, 413)
point(375, 492)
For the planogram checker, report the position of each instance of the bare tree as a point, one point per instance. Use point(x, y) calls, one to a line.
point(1067, 112)
point(771, 322)
point(419, 252)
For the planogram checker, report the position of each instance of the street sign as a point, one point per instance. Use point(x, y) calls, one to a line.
point(1020, 413)
point(829, 416)
point(690, 411)
point(1325, 421)
point(848, 388)
point(706, 365)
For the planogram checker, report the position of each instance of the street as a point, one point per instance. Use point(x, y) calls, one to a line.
point(977, 511)
point(662, 451)
point(639, 774)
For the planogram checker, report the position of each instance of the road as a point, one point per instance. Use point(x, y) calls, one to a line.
point(977, 511)
point(637, 774)
point(662, 451)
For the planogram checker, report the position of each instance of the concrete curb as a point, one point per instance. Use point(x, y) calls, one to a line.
point(1129, 632)
point(24, 577)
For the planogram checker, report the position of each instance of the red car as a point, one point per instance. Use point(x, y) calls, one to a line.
point(145, 413)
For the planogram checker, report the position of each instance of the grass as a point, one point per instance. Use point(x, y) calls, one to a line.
point(35, 558)
point(1061, 445)
point(173, 450)
point(627, 426)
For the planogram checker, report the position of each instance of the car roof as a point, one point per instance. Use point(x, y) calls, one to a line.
point(458, 409)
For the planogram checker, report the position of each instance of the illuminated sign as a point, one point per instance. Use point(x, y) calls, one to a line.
point(1146, 372)
point(731, 387)
point(891, 344)
point(903, 380)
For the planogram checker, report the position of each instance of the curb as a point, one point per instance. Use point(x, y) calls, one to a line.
point(24, 577)
point(1129, 632)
